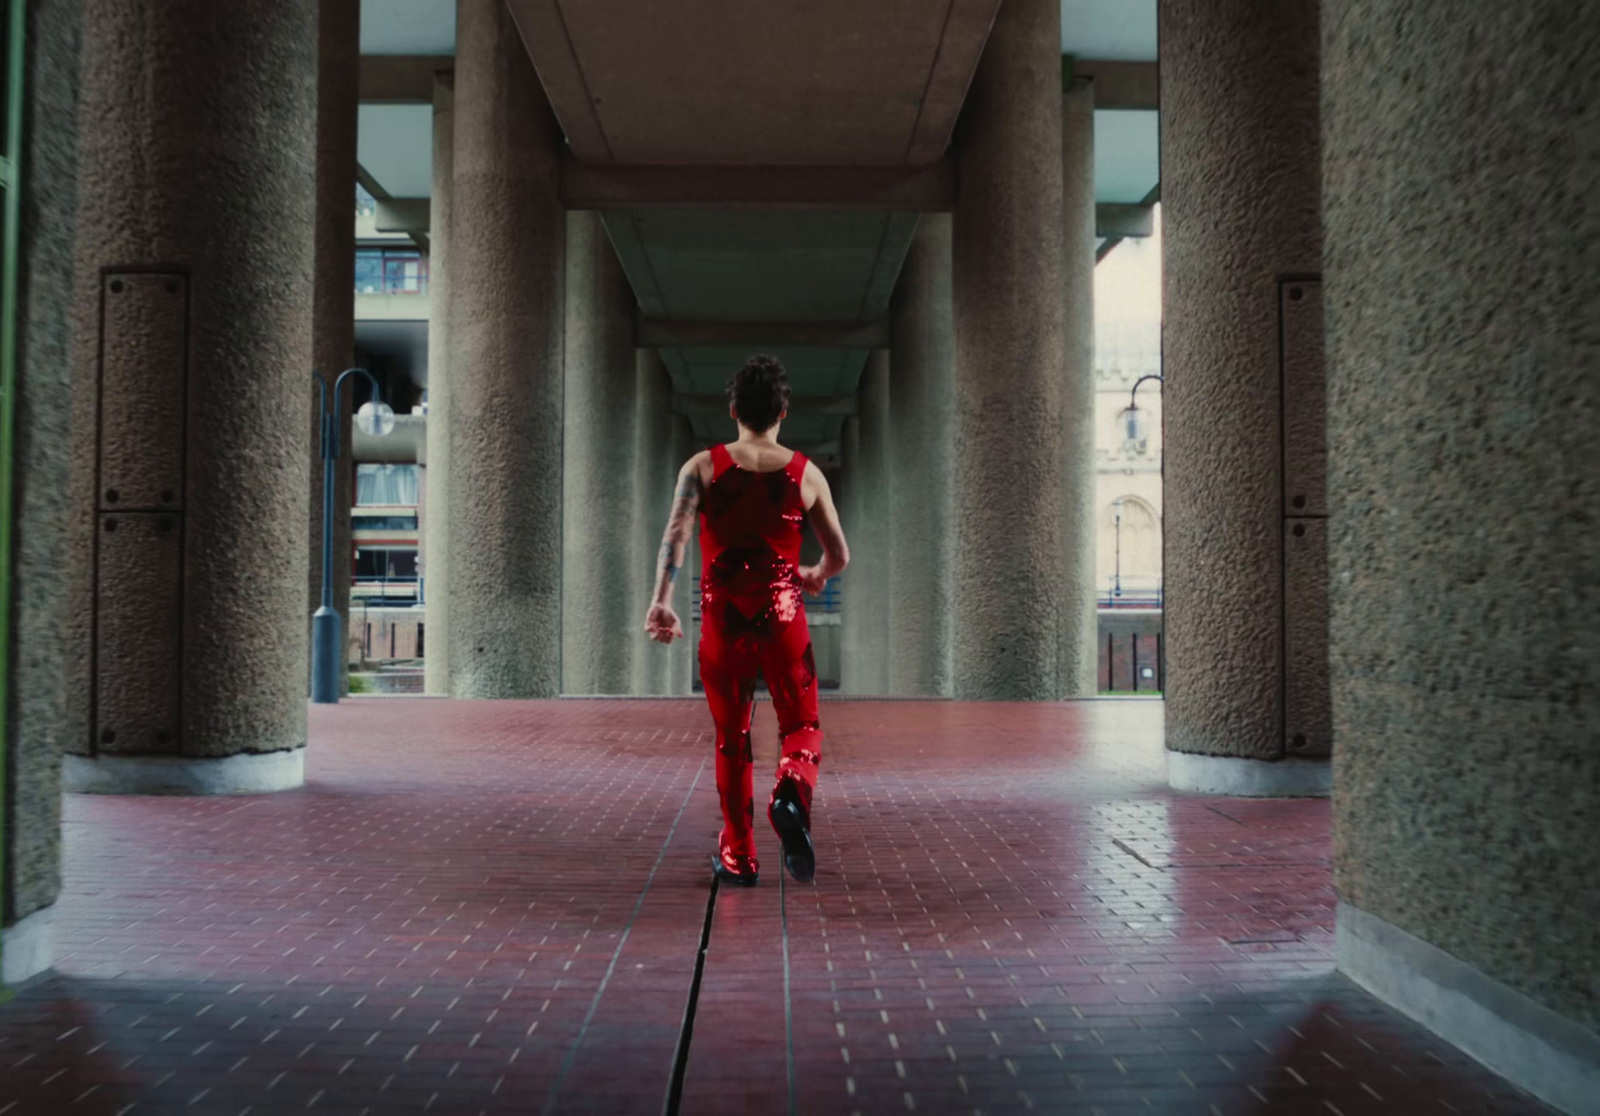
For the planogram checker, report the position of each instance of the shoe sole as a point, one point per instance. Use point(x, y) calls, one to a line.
point(798, 856)
point(721, 872)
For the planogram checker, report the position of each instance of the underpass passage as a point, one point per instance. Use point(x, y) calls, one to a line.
point(502, 907)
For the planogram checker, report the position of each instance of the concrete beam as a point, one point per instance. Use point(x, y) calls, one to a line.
point(652, 333)
point(930, 189)
point(380, 195)
point(716, 406)
point(1120, 85)
point(404, 215)
point(401, 79)
point(1111, 219)
point(1111, 242)
point(407, 443)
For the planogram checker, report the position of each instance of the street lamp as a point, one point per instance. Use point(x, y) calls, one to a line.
point(1116, 578)
point(1133, 431)
point(327, 631)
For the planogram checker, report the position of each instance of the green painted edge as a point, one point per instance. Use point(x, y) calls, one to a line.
point(622, 227)
point(894, 244)
point(17, 17)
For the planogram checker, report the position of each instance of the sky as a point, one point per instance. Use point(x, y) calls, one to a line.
point(1127, 304)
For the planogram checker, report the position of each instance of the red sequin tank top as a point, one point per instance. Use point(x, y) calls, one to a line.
point(750, 542)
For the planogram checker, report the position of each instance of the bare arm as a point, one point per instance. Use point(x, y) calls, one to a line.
point(825, 522)
point(661, 622)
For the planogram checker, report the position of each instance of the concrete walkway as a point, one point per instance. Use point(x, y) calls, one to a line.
point(500, 907)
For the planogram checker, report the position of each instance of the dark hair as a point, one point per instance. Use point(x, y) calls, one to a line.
point(760, 392)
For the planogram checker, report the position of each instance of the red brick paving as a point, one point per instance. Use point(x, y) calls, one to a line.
point(496, 907)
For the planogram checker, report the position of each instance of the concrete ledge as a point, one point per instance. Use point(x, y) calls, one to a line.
point(1249, 778)
point(1531, 1046)
point(28, 948)
point(243, 774)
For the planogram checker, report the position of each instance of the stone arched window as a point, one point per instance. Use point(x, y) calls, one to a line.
point(1129, 536)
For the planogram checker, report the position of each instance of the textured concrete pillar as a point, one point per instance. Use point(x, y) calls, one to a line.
point(864, 635)
point(50, 559)
point(1009, 348)
point(507, 271)
point(600, 580)
point(921, 467)
point(1463, 269)
point(681, 680)
point(194, 261)
point(436, 530)
point(333, 300)
point(655, 477)
point(1077, 647)
point(1245, 514)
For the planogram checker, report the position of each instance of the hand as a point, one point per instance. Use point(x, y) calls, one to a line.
point(661, 624)
point(811, 579)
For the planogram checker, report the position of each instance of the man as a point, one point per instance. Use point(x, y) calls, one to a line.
point(751, 496)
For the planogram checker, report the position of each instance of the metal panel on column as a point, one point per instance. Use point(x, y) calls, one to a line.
point(138, 591)
point(143, 389)
point(138, 633)
point(1307, 709)
point(1305, 398)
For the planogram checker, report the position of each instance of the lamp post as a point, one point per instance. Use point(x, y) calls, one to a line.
point(1134, 428)
point(1133, 435)
point(327, 630)
point(1116, 577)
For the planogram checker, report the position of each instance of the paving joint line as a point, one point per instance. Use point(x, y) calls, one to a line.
point(788, 1003)
point(680, 1057)
point(616, 954)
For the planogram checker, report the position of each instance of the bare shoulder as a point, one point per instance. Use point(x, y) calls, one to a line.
point(699, 465)
point(814, 484)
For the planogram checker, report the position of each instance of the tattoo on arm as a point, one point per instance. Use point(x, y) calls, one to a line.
point(680, 524)
point(664, 562)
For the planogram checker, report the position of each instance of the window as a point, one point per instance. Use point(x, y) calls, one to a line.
point(384, 523)
point(386, 485)
point(391, 271)
point(386, 563)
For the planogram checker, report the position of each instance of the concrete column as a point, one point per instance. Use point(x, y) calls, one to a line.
point(194, 262)
point(1076, 646)
point(847, 498)
point(655, 478)
point(921, 467)
point(1009, 348)
point(1463, 268)
point(507, 271)
point(1245, 564)
point(600, 581)
point(681, 681)
point(864, 635)
point(436, 531)
point(333, 301)
point(51, 550)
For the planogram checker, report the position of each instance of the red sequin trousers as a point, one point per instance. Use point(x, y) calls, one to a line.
point(731, 655)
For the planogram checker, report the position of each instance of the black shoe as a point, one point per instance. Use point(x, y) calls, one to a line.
point(789, 819)
point(727, 875)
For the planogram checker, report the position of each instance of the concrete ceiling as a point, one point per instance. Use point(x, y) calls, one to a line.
point(1115, 30)
point(1127, 155)
point(394, 144)
point(763, 266)
point(408, 26)
point(825, 83)
point(703, 82)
